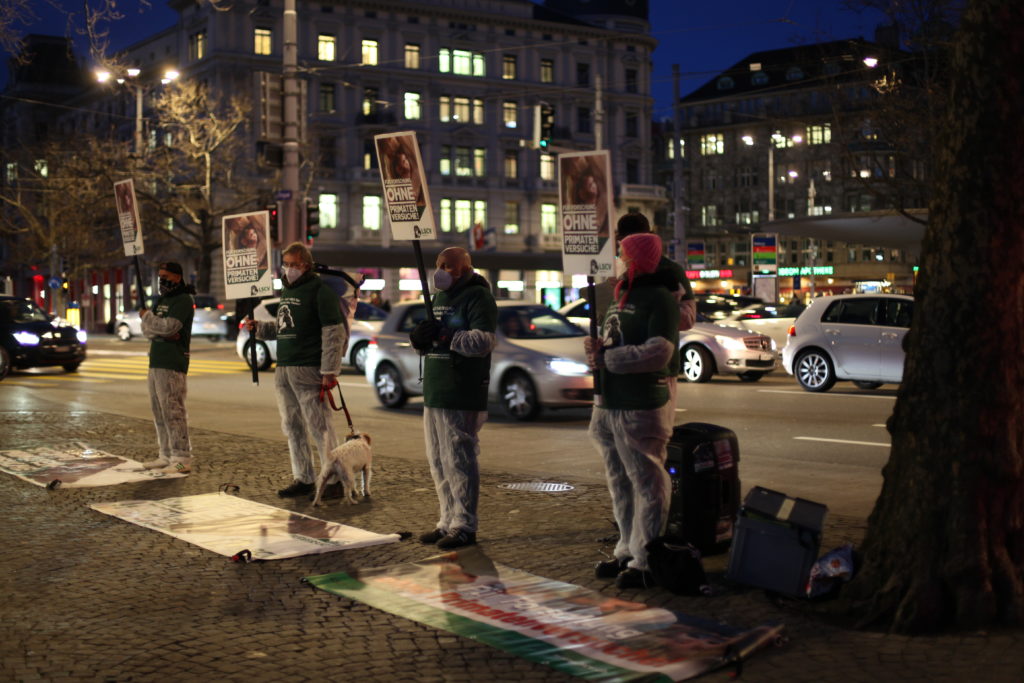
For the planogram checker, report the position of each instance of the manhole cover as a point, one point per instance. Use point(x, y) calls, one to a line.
point(543, 486)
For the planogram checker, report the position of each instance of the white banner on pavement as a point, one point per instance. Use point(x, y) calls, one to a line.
point(246, 249)
point(128, 217)
point(75, 465)
point(584, 214)
point(404, 182)
point(226, 524)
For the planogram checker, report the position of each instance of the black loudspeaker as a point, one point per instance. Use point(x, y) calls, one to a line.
point(703, 464)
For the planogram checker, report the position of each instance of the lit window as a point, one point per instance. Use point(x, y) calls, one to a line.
point(712, 143)
point(42, 168)
point(547, 71)
point(413, 111)
point(463, 162)
point(326, 48)
point(548, 219)
point(11, 172)
point(263, 41)
point(709, 215)
point(463, 215)
point(461, 109)
point(445, 108)
point(446, 214)
point(371, 212)
point(328, 204)
point(819, 134)
point(197, 46)
point(511, 218)
point(412, 56)
point(445, 166)
point(511, 165)
point(479, 162)
point(461, 62)
point(547, 167)
point(369, 52)
point(370, 98)
point(671, 153)
point(508, 67)
point(510, 114)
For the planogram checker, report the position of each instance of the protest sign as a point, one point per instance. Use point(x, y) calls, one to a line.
point(406, 197)
point(246, 250)
point(584, 214)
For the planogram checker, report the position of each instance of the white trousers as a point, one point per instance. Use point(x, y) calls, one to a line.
point(167, 390)
point(632, 444)
point(452, 451)
point(304, 418)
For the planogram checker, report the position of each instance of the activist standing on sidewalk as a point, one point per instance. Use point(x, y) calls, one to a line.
point(169, 328)
point(457, 349)
point(632, 423)
point(312, 333)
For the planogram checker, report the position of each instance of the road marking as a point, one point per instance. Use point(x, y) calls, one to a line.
point(878, 425)
point(681, 410)
point(811, 393)
point(34, 380)
point(856, 443)
point(361, 385)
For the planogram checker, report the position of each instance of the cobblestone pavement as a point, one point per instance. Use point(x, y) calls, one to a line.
point(89, 597)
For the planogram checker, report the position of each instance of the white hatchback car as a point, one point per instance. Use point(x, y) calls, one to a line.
point(210, 320)
point(856, 337)
point(367, 324)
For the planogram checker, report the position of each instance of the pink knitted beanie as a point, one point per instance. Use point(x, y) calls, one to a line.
point(642, 252)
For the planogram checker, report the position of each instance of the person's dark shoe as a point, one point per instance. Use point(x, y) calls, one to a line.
point(634, 578)
point(457, 539)
point(296, 489)
point(331, 492)
point(432, 537)
point(609, 569)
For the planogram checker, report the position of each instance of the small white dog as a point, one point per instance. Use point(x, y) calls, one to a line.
point(350, 458)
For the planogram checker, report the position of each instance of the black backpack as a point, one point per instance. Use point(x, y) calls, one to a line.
point(676, 566)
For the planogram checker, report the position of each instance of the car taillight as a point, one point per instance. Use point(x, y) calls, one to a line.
point(373, 341)
point(220, 307)
point(792, 331)
point(241, 324)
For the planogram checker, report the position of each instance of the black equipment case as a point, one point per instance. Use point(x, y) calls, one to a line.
point(703, 464)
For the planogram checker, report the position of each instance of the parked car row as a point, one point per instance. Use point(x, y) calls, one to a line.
point(30, 338)
point(210, 320)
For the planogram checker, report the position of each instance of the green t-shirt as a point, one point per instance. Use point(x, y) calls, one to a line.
point(172, 354)
point(451, 380)
point(305, 309)
point(650, 311)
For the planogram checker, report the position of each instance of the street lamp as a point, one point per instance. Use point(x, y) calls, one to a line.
point(128, 80)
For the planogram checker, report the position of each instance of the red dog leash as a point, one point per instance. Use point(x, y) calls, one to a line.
point(334, 406)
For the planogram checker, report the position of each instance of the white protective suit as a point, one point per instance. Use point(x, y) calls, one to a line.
point(633, 446)
point(167, 392)
point(453, 445)
point(304, 417)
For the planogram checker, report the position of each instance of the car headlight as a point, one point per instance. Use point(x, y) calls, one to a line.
point(26, 338)
point(731, 343)
point(564, 366)
point(82, 336)
point(775, 346)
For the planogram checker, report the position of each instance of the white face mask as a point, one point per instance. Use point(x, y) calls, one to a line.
point(442, 279)
point(292, 274)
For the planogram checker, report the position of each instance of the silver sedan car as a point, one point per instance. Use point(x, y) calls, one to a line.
point(210, 321)
point(707, 349)
point(538, 363)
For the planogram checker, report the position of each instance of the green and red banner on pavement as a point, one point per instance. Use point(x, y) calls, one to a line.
point(570, 628)
point(228, 525)
point(74, 465)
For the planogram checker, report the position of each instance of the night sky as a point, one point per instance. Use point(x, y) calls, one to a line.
point(704, 38)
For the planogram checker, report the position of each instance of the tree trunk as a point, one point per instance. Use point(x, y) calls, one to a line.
point(945, 543)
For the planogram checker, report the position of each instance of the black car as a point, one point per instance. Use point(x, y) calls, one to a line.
point(29, 338)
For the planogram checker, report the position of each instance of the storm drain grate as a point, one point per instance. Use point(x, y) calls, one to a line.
point(542, 486)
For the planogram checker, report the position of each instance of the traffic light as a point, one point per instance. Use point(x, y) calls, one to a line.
point(272, 220)
point(543, 123)
point(312, 219)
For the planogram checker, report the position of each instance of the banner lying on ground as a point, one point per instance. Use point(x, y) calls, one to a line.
point(570, 628)
point(74, 466)
point(227, 525)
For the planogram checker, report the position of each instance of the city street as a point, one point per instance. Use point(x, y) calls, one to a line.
point(827, 447)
